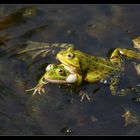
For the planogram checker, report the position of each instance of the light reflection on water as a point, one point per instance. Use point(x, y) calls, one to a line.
point(94, 29)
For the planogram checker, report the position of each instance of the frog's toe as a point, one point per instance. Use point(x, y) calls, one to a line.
point(43, 91)
point(39, 92)
point(34, 92)
point(84, 95)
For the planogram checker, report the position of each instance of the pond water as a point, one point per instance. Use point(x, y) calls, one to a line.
point(94, 29)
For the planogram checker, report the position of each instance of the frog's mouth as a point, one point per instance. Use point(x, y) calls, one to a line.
point(72, 78)
point(55, 81)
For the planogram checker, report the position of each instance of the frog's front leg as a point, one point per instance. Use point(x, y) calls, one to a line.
point(39, 87)
point(118, 52)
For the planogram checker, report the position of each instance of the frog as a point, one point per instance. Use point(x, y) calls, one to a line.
point(91, 68)
point(56, 74)
point(96, 68)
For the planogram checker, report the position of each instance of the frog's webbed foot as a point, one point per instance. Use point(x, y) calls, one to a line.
point(83, 95)
point(37, 89)
point(127, 90)
point(113, 85)
point(135, 90)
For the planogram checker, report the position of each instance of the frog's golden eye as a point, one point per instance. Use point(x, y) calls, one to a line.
point(70, 55)
point(60, 71)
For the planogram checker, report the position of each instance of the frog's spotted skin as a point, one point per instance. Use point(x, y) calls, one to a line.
point(94, 68)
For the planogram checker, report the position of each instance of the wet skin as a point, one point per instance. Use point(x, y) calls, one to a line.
point(94, 69)
point(56, 74)
point(91, 68)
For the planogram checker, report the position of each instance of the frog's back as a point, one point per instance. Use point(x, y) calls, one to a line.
point(95, 64)
point(100, 68)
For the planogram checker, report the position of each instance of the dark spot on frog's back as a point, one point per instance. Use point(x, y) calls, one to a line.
point(97, 77)
point(96, 72)
point(106, 73)
point(95, 68)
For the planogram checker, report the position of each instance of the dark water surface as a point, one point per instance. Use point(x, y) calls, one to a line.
point(94, 29)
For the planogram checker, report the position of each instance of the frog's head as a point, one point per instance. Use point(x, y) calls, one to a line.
point(69, 59)
point(58, 74)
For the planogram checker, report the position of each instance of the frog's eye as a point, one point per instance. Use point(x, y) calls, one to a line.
point(70, 55)
point(60, 71)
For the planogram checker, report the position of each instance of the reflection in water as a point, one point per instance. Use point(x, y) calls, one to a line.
point(130, 118)
point(94, 29)
point(18, 17)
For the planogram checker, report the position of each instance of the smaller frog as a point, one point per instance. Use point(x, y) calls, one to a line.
point(56, 74)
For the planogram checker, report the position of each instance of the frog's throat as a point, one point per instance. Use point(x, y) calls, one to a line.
point(56, 81)
point(71, 69)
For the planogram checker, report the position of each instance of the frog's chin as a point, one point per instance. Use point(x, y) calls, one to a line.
point(70, 68)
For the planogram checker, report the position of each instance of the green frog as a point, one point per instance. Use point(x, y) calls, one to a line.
point(56, 74)
point(90, 68)
point(93, 68)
